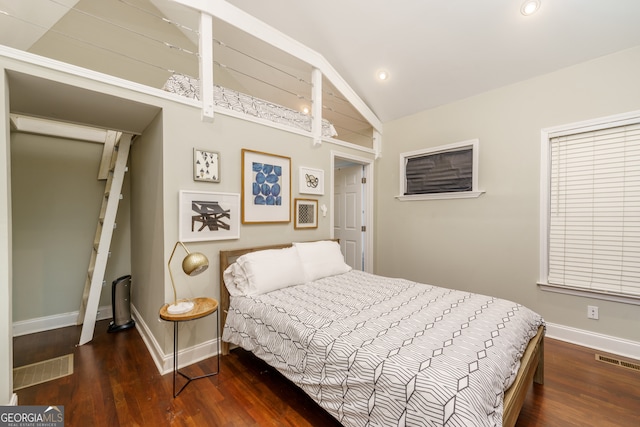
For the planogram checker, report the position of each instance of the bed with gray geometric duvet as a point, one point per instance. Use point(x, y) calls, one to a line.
point(377, 351)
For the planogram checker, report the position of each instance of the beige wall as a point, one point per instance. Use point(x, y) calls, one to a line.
point(228, 136)
point(147, 226)
point(491, 244)
point(56, 199)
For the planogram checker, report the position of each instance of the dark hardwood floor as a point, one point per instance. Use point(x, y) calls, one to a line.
point(115, 383)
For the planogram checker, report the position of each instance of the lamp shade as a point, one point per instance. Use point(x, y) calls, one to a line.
point(195, 263)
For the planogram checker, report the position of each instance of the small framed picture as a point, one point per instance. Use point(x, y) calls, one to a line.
point(311, 181)
point(208, 216)
point(206, 165)
point(266, 187)
point(306, 213)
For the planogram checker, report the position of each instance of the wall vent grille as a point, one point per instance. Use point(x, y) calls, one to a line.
point(618, 362)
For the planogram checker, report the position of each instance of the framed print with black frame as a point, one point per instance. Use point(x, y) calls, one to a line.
point(206, 165)
point(306, 213)
point(266, 187)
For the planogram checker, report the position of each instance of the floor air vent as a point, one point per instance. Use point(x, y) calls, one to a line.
point(38, 373)
point(618, 362)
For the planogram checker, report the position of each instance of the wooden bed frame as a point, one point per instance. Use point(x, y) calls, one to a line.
point(531, 364)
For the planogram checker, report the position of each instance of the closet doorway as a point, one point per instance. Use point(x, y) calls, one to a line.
point(58, 183)
point(56, 195)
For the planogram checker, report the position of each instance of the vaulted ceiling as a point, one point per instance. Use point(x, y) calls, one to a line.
point(439, 51)
point(436, 51)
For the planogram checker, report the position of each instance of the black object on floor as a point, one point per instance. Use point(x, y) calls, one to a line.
point(121, 304)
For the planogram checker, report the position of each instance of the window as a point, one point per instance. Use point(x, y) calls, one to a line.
point(591, 209)
point(445, 172)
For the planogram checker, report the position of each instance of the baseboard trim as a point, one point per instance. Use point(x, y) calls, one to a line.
point(606, 343)
point(190, 355)
point(47, 323)
point(186, 357)
point(14, 400)
point(149, 340)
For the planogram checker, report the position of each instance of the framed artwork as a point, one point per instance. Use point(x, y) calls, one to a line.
point(311, 181)
point(206, 165)
point(208, 216)
point(306, 213)
point(266, 187)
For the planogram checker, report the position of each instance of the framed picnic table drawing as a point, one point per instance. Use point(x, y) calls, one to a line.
point(208, 216)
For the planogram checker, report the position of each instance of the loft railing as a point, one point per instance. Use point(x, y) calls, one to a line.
point(215, 43)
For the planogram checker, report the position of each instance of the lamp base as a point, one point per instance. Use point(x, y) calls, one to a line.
point(180, 307)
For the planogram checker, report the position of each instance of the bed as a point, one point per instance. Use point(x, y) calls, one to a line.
point(380, 351)
point(239, 102)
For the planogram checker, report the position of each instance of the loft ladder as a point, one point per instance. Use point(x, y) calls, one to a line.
point(115, 154)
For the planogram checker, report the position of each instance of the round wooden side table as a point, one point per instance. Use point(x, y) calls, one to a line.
point(203, 306)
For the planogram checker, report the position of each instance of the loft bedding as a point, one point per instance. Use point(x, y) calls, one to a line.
point(380, 351)
point(189, 87)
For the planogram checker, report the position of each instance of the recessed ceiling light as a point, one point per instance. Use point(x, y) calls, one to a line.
point(382, 75)
point(305, 110)
point(529, 7)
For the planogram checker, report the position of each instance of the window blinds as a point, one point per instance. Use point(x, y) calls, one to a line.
point(445, 172)
point(594, 217)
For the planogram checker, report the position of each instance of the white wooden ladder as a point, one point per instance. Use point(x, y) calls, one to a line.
point(117, 147)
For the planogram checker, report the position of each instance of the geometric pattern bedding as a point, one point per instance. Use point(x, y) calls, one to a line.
point(377, 351)
point(241, 102)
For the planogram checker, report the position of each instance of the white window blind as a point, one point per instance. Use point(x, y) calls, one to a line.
point(594, 211)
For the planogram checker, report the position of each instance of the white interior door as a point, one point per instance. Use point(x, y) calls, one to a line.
point(348, 213)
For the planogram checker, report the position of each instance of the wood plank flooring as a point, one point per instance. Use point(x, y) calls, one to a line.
point(116, 383)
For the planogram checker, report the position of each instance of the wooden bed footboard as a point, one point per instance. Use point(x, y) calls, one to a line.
point(531, 369)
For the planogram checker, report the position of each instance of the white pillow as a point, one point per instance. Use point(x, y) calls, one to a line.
point(321, 259)
point(259, 272)
point(235, 279)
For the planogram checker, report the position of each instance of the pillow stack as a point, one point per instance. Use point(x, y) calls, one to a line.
point(321, 259)
point(264, 271)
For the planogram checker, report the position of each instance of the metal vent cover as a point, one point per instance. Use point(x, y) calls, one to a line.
point(618, 362)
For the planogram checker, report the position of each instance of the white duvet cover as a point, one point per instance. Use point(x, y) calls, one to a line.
point(375, 351)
